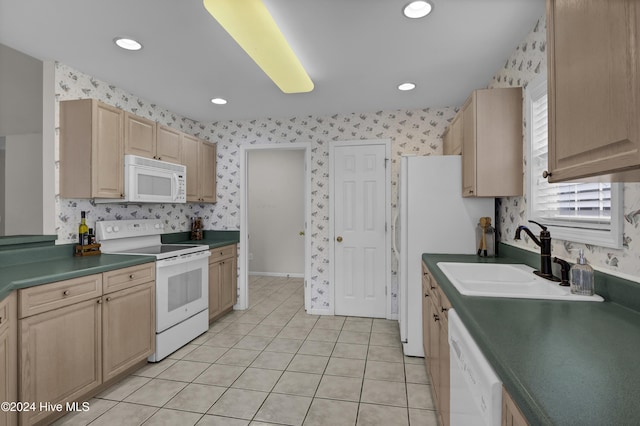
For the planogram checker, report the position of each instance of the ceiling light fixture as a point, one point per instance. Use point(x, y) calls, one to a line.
point(127, 43)
point(406, 86)
point(250, 24)
point(218, 101)
point(417, 9)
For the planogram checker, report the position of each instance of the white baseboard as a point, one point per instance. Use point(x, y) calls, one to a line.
point(393, 317)
point(319, 312)
point(278, 274)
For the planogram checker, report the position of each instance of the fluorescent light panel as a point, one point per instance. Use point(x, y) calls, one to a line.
point(252, 27)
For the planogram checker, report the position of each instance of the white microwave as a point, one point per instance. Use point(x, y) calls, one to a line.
point(151, 181)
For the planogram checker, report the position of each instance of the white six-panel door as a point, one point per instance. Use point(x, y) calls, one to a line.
point(359, 225)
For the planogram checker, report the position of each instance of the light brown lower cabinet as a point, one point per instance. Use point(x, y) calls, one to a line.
point(511, 414)
point(73, 338)
point(8, 358)
point(223, 280)
point(128, 328)
point(436, 342)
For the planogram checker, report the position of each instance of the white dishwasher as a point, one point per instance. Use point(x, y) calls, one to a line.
point(476, 390)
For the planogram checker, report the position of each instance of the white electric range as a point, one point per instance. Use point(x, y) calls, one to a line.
point(182, 279)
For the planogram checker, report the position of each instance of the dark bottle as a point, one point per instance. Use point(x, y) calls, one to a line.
point(83, 230)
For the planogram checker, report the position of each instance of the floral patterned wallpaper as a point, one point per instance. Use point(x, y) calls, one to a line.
point(527, 61)
point(411, 131)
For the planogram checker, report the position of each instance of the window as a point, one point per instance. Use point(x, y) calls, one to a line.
point(581, 212)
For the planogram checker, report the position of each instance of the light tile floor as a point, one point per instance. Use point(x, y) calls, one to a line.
point(274, 364)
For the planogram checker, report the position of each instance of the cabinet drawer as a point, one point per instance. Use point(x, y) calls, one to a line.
point(35, 300)
point(222, 253)
point(127, 277)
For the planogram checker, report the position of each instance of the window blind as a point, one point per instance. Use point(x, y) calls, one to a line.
point(574, 205)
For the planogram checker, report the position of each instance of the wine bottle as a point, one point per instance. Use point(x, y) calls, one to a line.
point(83, 230)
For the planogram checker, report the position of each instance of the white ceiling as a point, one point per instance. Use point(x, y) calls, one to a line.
point(355, 51)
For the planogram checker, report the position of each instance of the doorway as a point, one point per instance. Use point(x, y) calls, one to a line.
point(273, 238)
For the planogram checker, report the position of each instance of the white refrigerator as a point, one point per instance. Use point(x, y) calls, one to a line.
point(433, 217)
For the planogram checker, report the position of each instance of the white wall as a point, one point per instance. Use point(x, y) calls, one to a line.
point(276, 211)
point(23, 188)
point(20, 93)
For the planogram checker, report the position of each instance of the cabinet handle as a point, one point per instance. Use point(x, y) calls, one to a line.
point(132, 276)
point(426, 295)
point(108, 298)
point(433, 287)
point(436, 317)
point(99, 301)
point(443, 309)
point(546, 174)
point(65, 293)
point(1, 320)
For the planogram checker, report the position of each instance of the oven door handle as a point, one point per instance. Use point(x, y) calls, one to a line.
point(185, 258)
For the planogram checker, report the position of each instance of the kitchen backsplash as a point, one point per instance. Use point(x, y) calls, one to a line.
point(411, 132)
point(527, 61)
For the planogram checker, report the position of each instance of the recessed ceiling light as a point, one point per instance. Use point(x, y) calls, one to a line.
point(406, 86)
point(218, 101)
point(127, 43)
point(417, 9)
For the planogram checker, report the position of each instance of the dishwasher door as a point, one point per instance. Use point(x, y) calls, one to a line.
point(476, 390)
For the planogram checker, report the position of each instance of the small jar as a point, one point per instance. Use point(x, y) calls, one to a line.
point(485, 238)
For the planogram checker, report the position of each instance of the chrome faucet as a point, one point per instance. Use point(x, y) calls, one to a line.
point(545, 249)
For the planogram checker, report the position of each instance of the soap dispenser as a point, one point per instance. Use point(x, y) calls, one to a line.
point(582, 277)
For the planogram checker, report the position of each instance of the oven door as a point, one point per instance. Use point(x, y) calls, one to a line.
point(182, 288)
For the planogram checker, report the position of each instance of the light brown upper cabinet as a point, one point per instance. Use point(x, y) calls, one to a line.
point(594, 89)
point(452, 138)
point(149, 139)
point(91, 150)
point(492, 143)
point(139, 136)
point(168, 144)
point(200, 158)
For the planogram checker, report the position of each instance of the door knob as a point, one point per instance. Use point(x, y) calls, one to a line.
point(301, 233)
point(339, 239)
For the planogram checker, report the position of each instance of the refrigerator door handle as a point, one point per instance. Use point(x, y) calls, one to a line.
point(394, 237)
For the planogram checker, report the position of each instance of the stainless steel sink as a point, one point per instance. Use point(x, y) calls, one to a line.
point(506, 280)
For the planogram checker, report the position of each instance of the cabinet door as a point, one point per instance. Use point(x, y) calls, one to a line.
point(234, 280)
point(60, 355)
point(107, 159)
point(469, 147)
point(128, 328)
point(169, 145)
point(190, 150)
point(139, 136)
point(228, 278)
point(511, 414)
point(207, 172)
point(425, 314)
point(594, 82)
point(8, 357)
point(215, 277)
point(434, 347)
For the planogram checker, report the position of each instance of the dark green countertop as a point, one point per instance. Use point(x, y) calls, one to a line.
point(214, 239)
point(24, 265)
point(22, 268)
point(564, 363)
